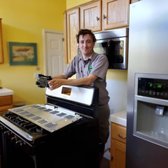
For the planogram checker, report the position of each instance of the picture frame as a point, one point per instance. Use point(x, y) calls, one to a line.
point(21, 53)
point(1, 44)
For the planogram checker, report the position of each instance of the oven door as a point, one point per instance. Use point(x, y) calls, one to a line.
point(12, 154)
point(116, 51)
point(114, 44)
point(72, 145)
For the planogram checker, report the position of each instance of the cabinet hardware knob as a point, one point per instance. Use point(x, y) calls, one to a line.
point(121, 136)
point(97, 18)
point(104, 16)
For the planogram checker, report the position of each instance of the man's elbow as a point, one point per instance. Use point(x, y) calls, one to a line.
point(89, 81)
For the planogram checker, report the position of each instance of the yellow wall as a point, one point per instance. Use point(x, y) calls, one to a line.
point(73, 3)
point(24, 21)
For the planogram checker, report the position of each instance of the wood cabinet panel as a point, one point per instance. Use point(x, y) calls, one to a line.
point(115, 13)
point(4, 108)
point(118, 146)
point(118, 150)
point(90, 16)
point(118, 132)
point(72, 31)
point(6, 102)
point(105, 14)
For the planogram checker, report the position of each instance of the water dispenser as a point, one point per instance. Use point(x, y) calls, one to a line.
point(151, 108)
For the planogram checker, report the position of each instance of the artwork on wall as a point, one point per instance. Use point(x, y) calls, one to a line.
point(22, 53)
point(1, 46)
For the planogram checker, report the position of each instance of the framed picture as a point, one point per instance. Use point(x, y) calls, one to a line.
point(1, 46)
point(22, 53)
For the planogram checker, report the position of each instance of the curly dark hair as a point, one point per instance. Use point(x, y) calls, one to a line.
point(84, 32)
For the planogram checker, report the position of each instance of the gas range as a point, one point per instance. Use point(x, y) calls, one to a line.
point(65, 125)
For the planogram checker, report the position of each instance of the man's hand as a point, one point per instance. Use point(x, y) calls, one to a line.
point(56, 83)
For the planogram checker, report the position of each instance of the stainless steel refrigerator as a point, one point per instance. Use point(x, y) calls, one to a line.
point(147, 109)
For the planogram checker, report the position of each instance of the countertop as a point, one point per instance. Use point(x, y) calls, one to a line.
point(119, 118)
point(6, 92)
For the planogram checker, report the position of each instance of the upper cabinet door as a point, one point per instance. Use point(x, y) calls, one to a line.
point(115, 13)
point(90, 16)
point(72, 30)
point(1, 47)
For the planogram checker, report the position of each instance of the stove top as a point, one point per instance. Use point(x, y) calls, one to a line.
point(48, 117)
point(30, 121)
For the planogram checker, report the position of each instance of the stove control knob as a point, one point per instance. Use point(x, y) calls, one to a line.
point(7, 132)
point(14, 138)
point(19, 142)
point(1, 128)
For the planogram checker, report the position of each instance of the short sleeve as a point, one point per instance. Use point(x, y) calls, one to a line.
point(100, 66)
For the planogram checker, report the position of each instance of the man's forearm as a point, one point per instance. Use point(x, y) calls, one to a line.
point(57, 82)
point(76, 82)
point(61, 76)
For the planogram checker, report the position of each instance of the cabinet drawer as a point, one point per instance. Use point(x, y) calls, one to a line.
point(4, 108)
point(118, 154)
point(6, 100)
point(118, 132)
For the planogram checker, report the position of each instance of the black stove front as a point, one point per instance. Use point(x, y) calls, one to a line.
point(40, 136)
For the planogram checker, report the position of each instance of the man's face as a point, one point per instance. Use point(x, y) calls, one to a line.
point(86, 45)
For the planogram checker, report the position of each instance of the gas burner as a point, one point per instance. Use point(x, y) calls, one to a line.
point(44, 116)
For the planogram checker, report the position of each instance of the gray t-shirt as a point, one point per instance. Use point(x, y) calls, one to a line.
point(98, 66)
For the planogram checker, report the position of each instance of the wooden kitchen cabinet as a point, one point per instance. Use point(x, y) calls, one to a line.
point(115, 13)
point(6, 102)
point(118, 146)
point(72, 28)
point(90, 16)
point(104, 14)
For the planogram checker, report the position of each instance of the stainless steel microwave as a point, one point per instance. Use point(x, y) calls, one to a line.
point(114, 44)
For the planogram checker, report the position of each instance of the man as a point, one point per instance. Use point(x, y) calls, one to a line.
point(90, 69)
